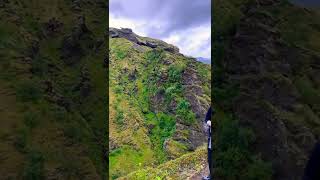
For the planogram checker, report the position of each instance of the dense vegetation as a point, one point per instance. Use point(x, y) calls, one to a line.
point(242, 135)
point(53, 89)
point(233, 156)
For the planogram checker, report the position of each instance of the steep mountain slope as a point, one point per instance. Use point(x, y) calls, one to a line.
point(267, 64)
point(158, 99)
point(53, 89)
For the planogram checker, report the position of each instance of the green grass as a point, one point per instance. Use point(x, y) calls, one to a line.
point(164, 127)
point(140, 94)
point(121, 54)
point(175, 169)
point(126, 159)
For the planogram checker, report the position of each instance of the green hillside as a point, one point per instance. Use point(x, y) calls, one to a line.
point(53, 89)
point(181, 168)
point(158, 99)
point(265, 88)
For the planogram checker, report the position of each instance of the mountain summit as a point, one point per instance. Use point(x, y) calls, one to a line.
point(128, 34)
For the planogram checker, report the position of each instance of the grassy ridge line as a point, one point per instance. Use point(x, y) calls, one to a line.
point(180, 168)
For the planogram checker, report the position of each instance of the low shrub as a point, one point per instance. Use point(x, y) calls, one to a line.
point(184, 112)
point(29, 90)
point(120, 54)
point(259, 169)
point(233, 158)
point(119, 117)
point(40, 66)
point(31, 119)
point(58, 113)
point(155, 55)
point(166, 124)
point(172, 92)
point(174, 73)
point(34, 169)
point(118, 89)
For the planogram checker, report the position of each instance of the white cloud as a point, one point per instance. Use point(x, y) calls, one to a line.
point(193, 41)
point(120, 22)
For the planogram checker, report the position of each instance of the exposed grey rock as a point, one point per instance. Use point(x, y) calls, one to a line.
point(114, 34)
point(126, 30)
point(151, 44)
point(131, 36)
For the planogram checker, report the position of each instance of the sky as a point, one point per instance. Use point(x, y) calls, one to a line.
point(183, 23)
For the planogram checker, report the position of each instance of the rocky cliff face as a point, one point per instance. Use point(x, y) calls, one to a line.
point(271, 58)
point(157, 95)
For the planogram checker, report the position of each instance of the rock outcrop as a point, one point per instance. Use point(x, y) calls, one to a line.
point(149, 42)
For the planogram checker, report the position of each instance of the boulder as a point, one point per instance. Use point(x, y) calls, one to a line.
point(151, 44)
point(126, 30)
point(114, 34)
